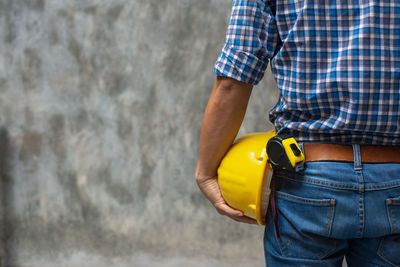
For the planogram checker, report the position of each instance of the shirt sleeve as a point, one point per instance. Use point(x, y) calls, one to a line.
point(251, 40)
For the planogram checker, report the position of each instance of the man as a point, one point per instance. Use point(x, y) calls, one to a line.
point(337, 65)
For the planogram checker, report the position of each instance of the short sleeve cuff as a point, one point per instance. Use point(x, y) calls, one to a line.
point(240, 65)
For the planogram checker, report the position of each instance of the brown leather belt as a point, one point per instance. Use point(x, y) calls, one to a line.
point(369, 154)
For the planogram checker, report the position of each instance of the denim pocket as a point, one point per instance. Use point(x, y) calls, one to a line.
point(389, 248)
point(305, 226)
point(393, 210)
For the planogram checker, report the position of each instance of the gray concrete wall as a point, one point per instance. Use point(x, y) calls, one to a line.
point(100, 111)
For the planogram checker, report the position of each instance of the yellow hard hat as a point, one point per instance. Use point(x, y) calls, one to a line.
point(244, 175)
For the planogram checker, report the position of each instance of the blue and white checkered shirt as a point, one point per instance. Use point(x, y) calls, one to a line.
point(336, 63)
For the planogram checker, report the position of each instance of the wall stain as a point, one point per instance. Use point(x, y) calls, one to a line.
point(75, 49)
point(115, 83)
point(147, 143)
point(31, 146)
point(124, 127)
point(37, 5)
point(69, 234)
point(117, 191)
point(197, 199)
point(30, 69)
point(56, 135)
point(67, 14)
point(53, 36)
point(4, 84)
point(114, 13)
point(145, 181)
point(10, 30)
point(86, 74)
point(91, 10)
point(81, 120)
point(87, 233)
point(156, 9)
point(79, 203)
point(7, 251)
point(29, 116)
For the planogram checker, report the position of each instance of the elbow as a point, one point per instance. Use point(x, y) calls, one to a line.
point(227, 90)
point(228, 86)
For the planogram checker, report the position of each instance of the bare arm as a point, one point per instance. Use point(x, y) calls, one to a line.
point(222, 119)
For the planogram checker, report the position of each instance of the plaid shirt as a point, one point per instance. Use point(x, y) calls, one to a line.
point(336, 63)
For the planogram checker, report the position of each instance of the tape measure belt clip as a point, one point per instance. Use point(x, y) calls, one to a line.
point(284, 153)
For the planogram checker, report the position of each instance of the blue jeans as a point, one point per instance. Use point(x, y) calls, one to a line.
point(333, 210)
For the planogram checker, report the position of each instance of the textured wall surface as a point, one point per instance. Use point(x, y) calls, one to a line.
point(100, 111)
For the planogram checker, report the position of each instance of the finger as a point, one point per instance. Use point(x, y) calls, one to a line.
point(236, 215)
point(211, 190)
point(244, 219)
point(224, 209)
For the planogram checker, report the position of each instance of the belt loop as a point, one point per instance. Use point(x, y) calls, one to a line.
point(301, 146)
point(357, 157)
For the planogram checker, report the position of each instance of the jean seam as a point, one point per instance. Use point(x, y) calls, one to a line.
point(278, 239)
point(329, 231)
point(319, 182)
point(342, 185)
point(329, 251)
point(389, 214)
point(329, 227)
point(379, 252)
point(280, 245)
point(316, 182)
point(383, 186)
point(301, 200)
point(395, 201)
point(361, 202)
point(361, 206)
point(318, 258)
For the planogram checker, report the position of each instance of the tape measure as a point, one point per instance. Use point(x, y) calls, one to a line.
point(284, 153)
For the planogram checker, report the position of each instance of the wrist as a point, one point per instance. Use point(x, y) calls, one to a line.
point(205, 174)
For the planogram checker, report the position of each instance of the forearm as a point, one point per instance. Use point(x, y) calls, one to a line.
point(222, 119)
